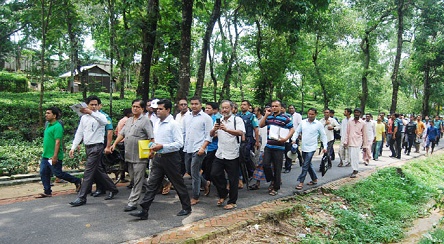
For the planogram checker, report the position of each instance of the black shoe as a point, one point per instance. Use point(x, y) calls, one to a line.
point(142, 214)
point(78, 186)
point(183, 212)
point(98, 193)
point(130, 186)
point(129, 208)
point(111, 195)
point(286, 171)
point(78, 202)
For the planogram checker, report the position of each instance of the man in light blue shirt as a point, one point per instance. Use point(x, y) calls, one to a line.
point(166, 161)
point(196, 131)
point(311, 129)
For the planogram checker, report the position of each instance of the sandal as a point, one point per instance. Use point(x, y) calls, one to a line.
point(311, 183)
point(253, 187)
point(299, 187)
point(166, 189)
point(273, 193)
point(340, 164)
point(220, 202)
point(271, 187)
point(230, 206)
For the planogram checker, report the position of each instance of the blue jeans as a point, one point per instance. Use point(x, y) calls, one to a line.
point(307, 167)
point(193, 164)
point(376, 151)
point(46, 170)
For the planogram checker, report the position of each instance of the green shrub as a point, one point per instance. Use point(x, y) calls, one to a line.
point(13, 82)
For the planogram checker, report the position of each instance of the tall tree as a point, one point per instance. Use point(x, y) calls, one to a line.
point(185, 50)
point(215, 14)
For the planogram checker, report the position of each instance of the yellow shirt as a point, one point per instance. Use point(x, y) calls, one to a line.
point(380, 128)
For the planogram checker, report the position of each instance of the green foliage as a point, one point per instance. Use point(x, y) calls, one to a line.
point(13, 82)
point(436, 236)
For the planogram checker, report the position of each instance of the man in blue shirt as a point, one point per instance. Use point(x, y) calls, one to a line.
point(311, 129)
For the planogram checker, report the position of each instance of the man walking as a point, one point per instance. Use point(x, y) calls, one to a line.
point(410, 133)
point(311, 130)
point(52, 155)
point(196, 131)
point(395, 142)
point(251, 135)
point(166, 161)
point(355, 139)
point(343, 150)
point(137, 127)
point(279, 130)
point(91, 131)
point(330, 125)
point(228, 130)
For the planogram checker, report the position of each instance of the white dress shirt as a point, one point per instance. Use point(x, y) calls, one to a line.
point(169, 134)
point(91, 129)
point(330, 134)
point(196, 130)
point(228, 146)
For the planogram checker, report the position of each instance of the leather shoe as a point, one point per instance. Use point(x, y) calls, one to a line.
point(111, 195)
point(98, 193)
point(129, 208)
point(78, 202)
point(183, 212)
point(142, 214)
point(286, 171)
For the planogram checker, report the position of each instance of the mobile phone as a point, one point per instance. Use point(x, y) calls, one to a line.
point(218, 120)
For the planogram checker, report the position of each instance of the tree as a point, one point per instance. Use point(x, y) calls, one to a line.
point(185, 50)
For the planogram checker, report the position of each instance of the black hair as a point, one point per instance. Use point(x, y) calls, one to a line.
point(196, 98)
point(92, 98)
point(56, 111)
point(213, 105)
point(166, 103)
point(248, 102)
point(313, 109)
point(127, 112)
point(349, 110)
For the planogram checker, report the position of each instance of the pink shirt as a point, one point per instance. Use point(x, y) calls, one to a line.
point(356, 134)
point(120, 126)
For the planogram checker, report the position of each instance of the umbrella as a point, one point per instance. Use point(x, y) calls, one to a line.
point(325, 163)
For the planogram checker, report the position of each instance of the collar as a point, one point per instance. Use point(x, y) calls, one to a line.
point(167, 119)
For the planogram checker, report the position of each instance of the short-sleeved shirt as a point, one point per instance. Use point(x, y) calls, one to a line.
point(213, 145)
point(53, 131)
point(281, 120)
point(133, 131)
point(379, 128)
point(228, 146)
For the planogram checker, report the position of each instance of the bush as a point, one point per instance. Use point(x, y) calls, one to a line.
point(13, 82)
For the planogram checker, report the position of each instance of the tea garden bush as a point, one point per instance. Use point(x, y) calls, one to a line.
point(21, 136)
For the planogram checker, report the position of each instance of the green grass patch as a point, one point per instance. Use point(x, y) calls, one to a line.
point(379, 209)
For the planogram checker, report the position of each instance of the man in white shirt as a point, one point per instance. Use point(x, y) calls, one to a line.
point(370, 127)
point(91, 131)
point(330, 125)
point(311, 129)
point(343, 150)
point(297, 119)
point(196, 131)
point(229, 131)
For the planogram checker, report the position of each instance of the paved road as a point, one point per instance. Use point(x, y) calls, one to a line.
point(52, 220)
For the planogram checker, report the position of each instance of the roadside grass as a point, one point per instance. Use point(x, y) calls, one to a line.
point(378, 209)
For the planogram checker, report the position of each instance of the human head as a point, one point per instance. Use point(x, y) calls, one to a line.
point(357, 113)
point(163, 108)
point(93, 102)
point(245, 105)
point(234, 109)
point(258, 111)
point(212, 108)
point(291, 109)
point(418, 118)
point(368, 117)
point(127, 112)
point(347, 112)
point(326, 113)
point(276, 107)
point(183, 105)
point(332, 113)
point(137, 107)
point(52, 114)
point(311, 114)
point(227, 107)
point(196, 105)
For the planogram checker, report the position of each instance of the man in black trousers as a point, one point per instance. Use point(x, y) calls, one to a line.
point(166, 161)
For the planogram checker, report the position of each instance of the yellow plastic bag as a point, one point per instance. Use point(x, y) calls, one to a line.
point(144, 149)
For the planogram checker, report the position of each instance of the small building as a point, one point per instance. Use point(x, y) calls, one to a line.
point(96, 78)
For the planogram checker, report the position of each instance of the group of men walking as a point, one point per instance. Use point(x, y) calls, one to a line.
point(205, 143)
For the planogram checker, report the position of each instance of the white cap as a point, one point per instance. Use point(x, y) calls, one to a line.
point(154, 103)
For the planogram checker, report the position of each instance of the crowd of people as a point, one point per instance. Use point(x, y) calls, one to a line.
point(212, 143)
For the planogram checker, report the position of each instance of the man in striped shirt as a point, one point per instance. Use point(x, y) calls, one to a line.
point(279, 130)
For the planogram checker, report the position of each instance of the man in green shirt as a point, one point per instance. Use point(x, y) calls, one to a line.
point(52, 156)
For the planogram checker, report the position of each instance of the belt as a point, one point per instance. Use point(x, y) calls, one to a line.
point(160, 155)
point(45, 158)
point(93, 145)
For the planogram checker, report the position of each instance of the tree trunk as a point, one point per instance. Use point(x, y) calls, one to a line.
point(149, 28)
point(185, 50)
point(365, 47)
point(205, 48)
point(213, 76)
point(427, 87)
point(46, 15)
point(265, 92)
point(394, 77)
point(74, 46)
point(318, 72)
